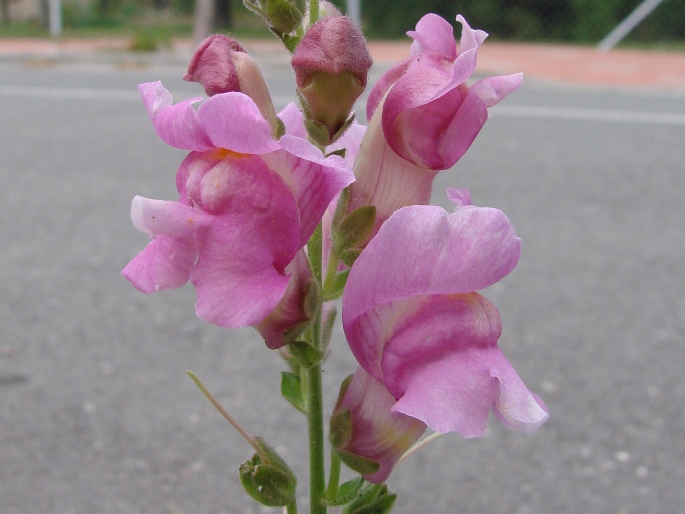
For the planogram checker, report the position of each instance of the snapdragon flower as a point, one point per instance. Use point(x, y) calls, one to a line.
point(248, 203)
point(423, 117)
point(415, 322)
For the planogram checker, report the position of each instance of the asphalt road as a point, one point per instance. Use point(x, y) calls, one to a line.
point(98, 416)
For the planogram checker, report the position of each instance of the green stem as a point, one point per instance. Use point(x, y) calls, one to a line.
point(317, 472)
point(313, 12)
point(291, 508)
point(334, 478)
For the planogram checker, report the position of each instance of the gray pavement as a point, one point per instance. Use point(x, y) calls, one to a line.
point(98, 416)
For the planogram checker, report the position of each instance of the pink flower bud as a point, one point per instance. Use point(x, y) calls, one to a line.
point(331, 64)
point(221, 65)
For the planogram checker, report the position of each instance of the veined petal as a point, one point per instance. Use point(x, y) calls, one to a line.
point(177, 125)
point(314, 179)
point(233, 121)
point(460, 252)
point(384, 179)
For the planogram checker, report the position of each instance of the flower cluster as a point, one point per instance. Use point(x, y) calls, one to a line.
point(256, 184)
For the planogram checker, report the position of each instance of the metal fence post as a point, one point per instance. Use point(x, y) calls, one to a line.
point(55, 18)
point(354, 11)
point(632, 21)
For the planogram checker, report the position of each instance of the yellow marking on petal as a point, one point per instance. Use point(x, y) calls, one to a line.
point(222, 153)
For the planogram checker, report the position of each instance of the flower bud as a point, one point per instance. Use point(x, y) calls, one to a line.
point(364, 431)
point(221, 65)
point(331, 65)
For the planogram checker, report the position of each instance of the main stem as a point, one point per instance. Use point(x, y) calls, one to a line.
point(317, 472)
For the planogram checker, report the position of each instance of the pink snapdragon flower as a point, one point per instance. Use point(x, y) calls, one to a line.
point(248, 203)
point(430, 115)
point(415, 322)
point(423, 117)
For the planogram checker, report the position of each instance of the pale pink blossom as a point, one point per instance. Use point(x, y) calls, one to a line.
point(415, 322)
point(248, 203)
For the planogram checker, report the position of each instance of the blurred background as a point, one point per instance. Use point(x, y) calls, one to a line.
point(155, 22)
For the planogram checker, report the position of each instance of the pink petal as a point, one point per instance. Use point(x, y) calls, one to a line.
point(163, 217)
point(240, 272)
point(165, 263)
point(314, 179)
point(177, 125)
point(433, 34)
point(470, 39)
point(233, 121)
point(384, 179)
point(493, 89)
point(423, 250)
point(377, 433)
point(436, 135)
point(293, 119)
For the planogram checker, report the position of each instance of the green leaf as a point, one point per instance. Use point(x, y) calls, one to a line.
point(365, 497)
point(354, 229)
point(350, 255)
point(381, 505)
point(291, 390)
point(338, 285)
point(307, 356)
point(347, 492)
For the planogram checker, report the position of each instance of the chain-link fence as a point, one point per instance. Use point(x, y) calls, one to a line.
point(576, 21)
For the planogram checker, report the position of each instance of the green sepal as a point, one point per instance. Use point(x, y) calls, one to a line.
point(347, 492)
point(357, 463)
point(317, 132)
point(350, 255)
point(352, 233)
point(340, 153)
point(307, 356)
point(279, 129)
point(340, 431)
point(374, 496)
point(342, 129)
point(338, 285)
point(270, 483)
point(291, 390)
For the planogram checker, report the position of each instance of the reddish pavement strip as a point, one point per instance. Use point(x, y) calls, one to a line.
point(553, 63)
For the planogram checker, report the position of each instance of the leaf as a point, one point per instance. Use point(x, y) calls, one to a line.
point(347, 492)
point(361, 465)
point(291, 390)
point(354, 229)
point(307, 356)
point(338, 286)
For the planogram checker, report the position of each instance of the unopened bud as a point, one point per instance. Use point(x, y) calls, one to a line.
point(221, 65)
point(331, 65)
